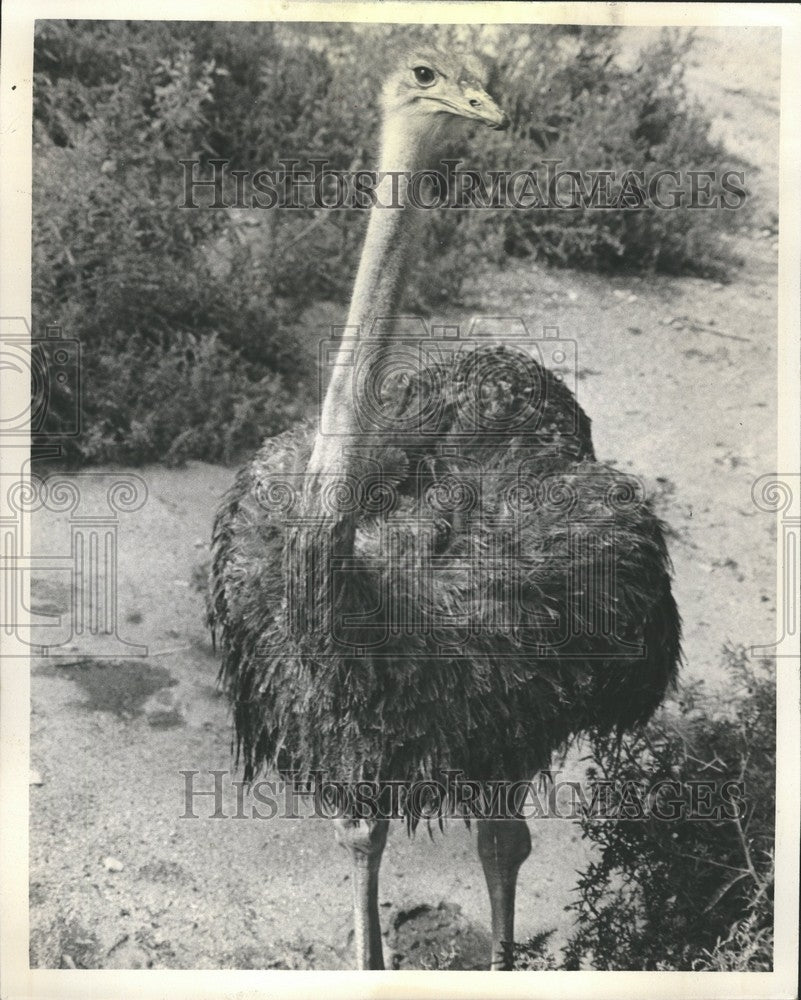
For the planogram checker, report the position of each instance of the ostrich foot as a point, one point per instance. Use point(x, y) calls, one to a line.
point(365, 840)
point(503, 846)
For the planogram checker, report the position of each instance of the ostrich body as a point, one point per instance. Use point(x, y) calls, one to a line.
point(462, 588)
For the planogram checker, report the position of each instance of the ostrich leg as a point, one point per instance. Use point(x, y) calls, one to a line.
point(365, 839)
point(503, 846)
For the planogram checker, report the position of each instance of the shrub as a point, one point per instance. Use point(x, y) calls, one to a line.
point(194, 399)
point(695, 893)
point(534, 955)
point(574, 105)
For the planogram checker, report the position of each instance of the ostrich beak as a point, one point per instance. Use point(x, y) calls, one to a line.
point(475, 104)
point(482, 108)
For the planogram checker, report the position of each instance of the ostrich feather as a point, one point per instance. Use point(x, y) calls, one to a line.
point(503, 595)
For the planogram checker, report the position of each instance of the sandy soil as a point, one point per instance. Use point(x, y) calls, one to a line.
point(679, 377)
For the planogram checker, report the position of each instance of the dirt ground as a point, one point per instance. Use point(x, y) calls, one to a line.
point(679, 376)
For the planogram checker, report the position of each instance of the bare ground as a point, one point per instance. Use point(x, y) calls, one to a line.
point(679, 376)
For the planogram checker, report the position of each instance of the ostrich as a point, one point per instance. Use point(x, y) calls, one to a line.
point(459, 588)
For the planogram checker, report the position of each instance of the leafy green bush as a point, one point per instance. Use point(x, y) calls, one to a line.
point(695, 893)
point(118, 262)
point(575, 106)
point(156, 294)
point(193, 399)
point(534, 955)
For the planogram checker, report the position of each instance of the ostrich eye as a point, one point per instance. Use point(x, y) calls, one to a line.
point(424, 76)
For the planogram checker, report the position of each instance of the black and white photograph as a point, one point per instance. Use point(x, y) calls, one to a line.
point(400, 499)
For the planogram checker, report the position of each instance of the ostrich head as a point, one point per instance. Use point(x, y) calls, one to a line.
point(430, 88)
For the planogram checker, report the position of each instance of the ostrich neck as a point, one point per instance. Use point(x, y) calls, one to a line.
point(376, 295)
point(390, 231)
